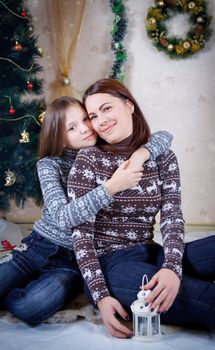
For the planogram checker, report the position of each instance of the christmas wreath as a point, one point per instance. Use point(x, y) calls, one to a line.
point(197, 35)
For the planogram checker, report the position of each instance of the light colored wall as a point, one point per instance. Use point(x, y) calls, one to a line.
point(175, 95)
point(179, 96)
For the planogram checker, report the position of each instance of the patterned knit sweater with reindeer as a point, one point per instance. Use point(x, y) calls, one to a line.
point(130, 219)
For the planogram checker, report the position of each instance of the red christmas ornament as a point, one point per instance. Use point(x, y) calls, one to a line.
point(18, 47)
point(30, 85)
point(12, 111)
point(23, 13)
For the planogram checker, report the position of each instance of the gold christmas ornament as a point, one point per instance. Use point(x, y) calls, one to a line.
point(170, 47)
point(10, 178)
point(160, 3)
point(191, 5)
point(66, 81)
point(41, 117)
point(40, 51)
point(199, 20)
point(25, 137)
point(186, 45)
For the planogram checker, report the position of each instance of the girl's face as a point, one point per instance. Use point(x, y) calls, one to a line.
point(79, 131)
point(111, 117)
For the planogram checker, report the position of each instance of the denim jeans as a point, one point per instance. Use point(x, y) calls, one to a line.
point(195, 303)
point(38, 278)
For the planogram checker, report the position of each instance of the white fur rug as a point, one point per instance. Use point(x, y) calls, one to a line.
point(78, 308)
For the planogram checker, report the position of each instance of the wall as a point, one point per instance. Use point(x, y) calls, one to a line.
point(175, 95)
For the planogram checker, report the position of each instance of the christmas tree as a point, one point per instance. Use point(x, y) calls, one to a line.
point(20, 109)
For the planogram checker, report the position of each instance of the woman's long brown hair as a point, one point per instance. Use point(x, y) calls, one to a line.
point(52, 135)
point(141, 131)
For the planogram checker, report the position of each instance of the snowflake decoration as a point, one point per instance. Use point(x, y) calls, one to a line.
point(131, 235)
point(106, 162)
point(88, 174)
point(150, 209)
point(172, 167)
point(87, 274)
point(128, 210)
point(151, 164)
point(95, 295)
point(167, 206)
point(119, 161)
point(81, 253)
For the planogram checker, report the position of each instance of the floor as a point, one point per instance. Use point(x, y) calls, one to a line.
point(84, 335)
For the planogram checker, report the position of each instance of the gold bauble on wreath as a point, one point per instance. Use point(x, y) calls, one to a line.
point(197, 35)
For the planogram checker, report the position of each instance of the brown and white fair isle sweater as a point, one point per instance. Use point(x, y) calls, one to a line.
point(129, 220)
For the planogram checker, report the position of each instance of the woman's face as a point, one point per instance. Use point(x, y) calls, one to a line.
point(111, 117)
point(79, 130)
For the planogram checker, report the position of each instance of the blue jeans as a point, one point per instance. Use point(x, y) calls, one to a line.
point(195, 303)
point(38, 278)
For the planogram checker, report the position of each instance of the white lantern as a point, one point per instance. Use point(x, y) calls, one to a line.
point(146, 323)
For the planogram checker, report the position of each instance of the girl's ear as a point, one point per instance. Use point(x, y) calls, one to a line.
point(130, 106)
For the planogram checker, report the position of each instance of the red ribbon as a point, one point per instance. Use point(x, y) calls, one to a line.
point(6, 245)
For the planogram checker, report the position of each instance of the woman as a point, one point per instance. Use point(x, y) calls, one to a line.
point(40, 275)
point(117, 248)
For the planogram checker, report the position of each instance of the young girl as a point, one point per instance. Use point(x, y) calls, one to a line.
point(115, 249)
point(38, 277)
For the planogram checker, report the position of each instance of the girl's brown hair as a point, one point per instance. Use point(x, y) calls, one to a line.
point(141, 130)
point(52, 135)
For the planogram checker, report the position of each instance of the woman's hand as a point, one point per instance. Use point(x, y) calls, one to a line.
point(165, 284)
point(109, 308)
point(124, 177)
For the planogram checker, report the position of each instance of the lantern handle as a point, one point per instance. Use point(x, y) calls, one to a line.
point(145, 278)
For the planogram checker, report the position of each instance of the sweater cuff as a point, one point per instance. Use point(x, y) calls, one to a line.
point(107, 197)
point(99, 296)
point(177, 268)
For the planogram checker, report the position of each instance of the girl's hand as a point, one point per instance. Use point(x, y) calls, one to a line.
point(165, 284)
point(123, 178)
point(139, 157)
point(109, 308)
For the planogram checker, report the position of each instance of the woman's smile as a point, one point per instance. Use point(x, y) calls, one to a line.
point(108, 128)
